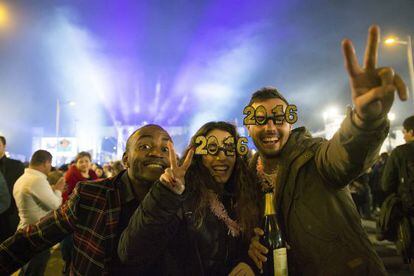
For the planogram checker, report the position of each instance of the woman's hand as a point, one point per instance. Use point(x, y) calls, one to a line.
point(242, 269)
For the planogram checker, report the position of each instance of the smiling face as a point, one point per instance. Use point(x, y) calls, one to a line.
point(147, 154)
point(270, 138)
point(220, 166)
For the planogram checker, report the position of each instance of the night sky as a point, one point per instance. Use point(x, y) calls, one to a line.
point(181, 62)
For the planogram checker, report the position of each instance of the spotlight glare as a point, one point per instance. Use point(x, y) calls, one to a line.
point(4, 16)
point(331, 112)
point(390, 40)
point(391, 116)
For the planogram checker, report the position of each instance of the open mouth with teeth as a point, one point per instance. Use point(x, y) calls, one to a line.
point(220, 169)
point(270, 140)
point(154, 165)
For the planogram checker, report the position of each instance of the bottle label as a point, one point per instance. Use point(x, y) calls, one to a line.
point(280, 262)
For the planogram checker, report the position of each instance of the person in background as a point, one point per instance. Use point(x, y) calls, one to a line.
point(99, 171)
point(11, 170)
point(5, 197)
point(64, 168)
point(34, 199)
point(55, 177)
point(108, 170)
point(361, 194)
point(398, 177)
point(80, 171)
point(96, 213)
point(375, 182)
point(399, 169)
point(117, 167)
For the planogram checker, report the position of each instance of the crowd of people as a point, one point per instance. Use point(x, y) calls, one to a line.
point(155, 214)
point(366, 190)
point(41, 188)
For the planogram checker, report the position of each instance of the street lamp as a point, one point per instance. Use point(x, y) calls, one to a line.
point(392, 41)
point(4, 16)
point(391, 116)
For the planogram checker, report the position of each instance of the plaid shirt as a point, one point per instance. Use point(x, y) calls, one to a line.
point(91, 214)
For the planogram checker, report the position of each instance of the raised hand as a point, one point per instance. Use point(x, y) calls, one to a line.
point(372, 88)
point(60, 184)
point(173, 177)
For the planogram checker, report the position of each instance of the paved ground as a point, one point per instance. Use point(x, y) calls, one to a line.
point(385, 249)
point(55, 264)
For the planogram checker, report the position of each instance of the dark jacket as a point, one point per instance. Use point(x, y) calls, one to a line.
point(395, 178)
point(5, 196)
point(163, 231)
point(12, 170)
point(320, 221)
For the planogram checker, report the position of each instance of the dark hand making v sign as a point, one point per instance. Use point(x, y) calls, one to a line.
point(173, 177)
point(372, 88)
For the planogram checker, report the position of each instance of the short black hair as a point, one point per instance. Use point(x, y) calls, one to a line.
point(3, 140)
point(40, 157)
point(64, 168)
point(141, 128)
point(408, 124)
point(266, 93)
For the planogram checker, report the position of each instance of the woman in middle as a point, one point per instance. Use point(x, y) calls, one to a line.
point(199, 218)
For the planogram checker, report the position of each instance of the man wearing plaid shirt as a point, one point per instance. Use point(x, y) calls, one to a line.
point(96, 213)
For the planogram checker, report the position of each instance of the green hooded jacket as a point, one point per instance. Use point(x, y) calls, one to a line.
point(321, 223)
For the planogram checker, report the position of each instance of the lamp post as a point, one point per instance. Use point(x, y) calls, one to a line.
point(391, 41)
point(58, 104)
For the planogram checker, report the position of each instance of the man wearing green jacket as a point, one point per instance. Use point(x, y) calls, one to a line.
point(310, 175)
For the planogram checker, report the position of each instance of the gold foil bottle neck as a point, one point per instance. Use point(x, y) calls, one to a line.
point(269, 206)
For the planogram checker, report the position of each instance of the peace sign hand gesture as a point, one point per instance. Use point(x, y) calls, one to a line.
point(372, 88)
point(173, 177)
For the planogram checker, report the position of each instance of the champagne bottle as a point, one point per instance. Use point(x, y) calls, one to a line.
point(276, 263)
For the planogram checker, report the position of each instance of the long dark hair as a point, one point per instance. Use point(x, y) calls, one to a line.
point(243, 182)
